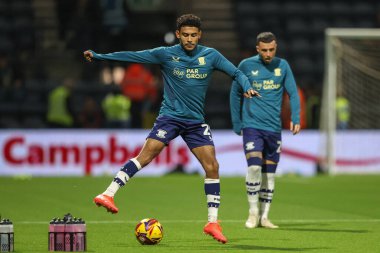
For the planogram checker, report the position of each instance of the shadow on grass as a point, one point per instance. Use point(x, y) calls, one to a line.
point(353, 231)
point(254, 247)
point(217, 247)
point(287, 225)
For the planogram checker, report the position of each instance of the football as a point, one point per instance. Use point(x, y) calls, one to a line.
point(149, 231)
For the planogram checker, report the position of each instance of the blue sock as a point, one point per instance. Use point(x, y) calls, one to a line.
point(127, 171)
point(122, 177)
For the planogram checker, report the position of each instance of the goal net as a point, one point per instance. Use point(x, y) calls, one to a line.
point(351, 101)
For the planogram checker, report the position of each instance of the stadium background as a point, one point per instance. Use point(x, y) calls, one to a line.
point(42, 42)
point(41, 46)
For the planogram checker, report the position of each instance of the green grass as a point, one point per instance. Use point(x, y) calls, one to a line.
point(320, 214)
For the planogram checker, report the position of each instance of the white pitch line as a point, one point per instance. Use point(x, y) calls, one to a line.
point(224, 221)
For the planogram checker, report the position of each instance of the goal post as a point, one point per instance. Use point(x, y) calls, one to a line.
point(352, 72)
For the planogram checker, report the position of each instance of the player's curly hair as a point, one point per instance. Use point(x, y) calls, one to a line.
point(188, 20)
point(265, 37)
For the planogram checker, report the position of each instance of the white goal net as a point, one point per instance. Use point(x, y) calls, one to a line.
point(352, 74)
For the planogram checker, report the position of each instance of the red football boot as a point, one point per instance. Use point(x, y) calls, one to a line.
point(107, 202)
point(215, 230)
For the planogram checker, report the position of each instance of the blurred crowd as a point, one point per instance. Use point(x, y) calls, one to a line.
point(111, 95)
point(131, 100)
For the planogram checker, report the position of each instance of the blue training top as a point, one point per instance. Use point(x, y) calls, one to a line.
point(269, 80)
point(186, 76)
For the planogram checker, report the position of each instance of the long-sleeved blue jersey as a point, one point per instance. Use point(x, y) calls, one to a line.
point(269, 80)
point(186, 76)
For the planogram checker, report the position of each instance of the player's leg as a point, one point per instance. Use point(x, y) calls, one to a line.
point(271, 158)
point(206, 156)
point(253, 146)
point(163, 131)
point(199, 139)
point(150, 150)
point(266, 193)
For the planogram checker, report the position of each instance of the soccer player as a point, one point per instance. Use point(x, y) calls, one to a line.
point(186, 69)
point(258, 120)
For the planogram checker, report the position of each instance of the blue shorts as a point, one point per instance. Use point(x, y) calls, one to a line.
point(267, 142)
point(195, 134)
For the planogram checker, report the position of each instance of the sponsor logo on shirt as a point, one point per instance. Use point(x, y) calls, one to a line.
point(255, 72)
point(178, 72)
point(256, 85)
point(266, 85)
point(194, 74)
point(270, 85)
point(175, 58)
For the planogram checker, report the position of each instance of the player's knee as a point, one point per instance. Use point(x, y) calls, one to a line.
point(254, 159)
point(269, 168)
point(214, 166)
point(212, 169)
point(151, 149)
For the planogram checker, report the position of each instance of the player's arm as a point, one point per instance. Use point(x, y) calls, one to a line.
point(222, 64)
point(144, 56)
point(236, 102)
point(291, 89)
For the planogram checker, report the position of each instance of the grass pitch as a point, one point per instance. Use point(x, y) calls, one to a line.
point(320, 214)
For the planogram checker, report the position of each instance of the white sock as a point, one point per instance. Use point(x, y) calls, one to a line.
point(267, 194)
point(122, 177)
point(114, 187)
point(212, 214)
point(253, 181)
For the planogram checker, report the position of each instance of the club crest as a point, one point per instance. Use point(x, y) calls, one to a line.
point(161, 133)
point(249, 146)
point(202, 61)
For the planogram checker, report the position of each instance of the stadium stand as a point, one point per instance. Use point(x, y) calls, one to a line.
point(41, 42)
point(301, 26)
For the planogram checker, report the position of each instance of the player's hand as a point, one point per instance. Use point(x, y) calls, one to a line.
point(295, 128)
point(88, 55)
point(236, 127)
point(238, 132)
point(251, 93)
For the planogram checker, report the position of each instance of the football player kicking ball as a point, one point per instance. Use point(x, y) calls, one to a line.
point(186, 69)
point(260, 123)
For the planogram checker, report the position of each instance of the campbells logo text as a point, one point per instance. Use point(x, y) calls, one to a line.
point(19, 151)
